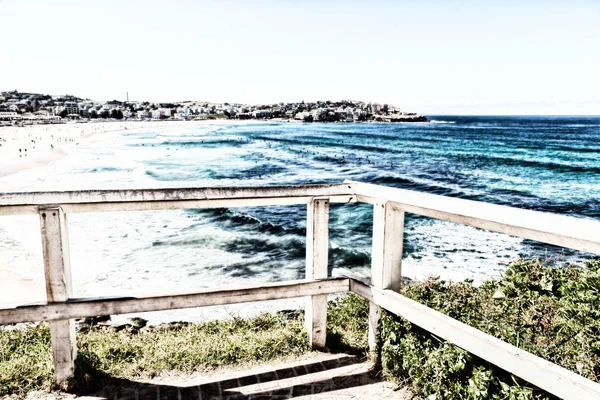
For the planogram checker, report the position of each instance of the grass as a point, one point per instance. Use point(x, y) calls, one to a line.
point(193, 347)
point(26, 354)
point(25, 360)
point(551, 312)
point(347, 325)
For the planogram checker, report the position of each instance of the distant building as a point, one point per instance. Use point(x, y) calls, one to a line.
point(183, 113)
point(161, 113)
point(301, 115)
point(42, 113)
point(349, 114)
point(144, 114)
point(9, 115)
point(261, 113)
point(71, 107)
point(28, 115)
point(316, 114)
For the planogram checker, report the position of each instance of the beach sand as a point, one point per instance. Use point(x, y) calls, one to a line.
point(34, 146)
point(17, 289)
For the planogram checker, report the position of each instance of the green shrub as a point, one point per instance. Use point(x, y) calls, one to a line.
point(550, 312)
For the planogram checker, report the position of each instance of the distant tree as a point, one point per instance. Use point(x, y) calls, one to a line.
point(63, 113)
point(104, 114)
point(93, 114)
point(116, 113)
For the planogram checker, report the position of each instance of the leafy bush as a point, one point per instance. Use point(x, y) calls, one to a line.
point(553, 313)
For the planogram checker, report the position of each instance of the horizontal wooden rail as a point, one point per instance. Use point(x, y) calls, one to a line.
point(576, 233)
point(175, 205)
point(175, 198)
point(542, 373)
point(91, 307)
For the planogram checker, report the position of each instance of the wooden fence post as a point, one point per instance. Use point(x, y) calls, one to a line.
point(386, 258)
point(317, 254)
point(57, 268)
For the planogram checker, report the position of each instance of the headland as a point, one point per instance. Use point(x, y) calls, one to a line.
point(34, 108)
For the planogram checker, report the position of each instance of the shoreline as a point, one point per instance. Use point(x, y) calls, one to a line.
point(34, 146)
point(38, 160)
point(19, 289)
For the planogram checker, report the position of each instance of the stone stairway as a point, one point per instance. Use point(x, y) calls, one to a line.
point(325, 376)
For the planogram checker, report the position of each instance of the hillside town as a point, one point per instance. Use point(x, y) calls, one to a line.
point(17, 108)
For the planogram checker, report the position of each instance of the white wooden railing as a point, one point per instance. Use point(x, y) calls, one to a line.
point(389, 204)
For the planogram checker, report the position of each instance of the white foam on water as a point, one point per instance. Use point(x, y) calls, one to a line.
point(457, 252)
point(21, 246)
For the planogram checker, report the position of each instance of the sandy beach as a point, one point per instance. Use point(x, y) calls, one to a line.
point(17, 289)
point(33, 146)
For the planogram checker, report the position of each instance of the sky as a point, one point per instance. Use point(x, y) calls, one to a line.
point(433, 57)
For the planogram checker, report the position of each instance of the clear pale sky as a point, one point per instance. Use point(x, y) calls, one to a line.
point(433, 57)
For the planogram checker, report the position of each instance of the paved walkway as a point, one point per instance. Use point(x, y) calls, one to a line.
point(326, 376)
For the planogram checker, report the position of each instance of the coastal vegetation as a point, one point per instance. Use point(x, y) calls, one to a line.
point(551, 312)
point(40, 108)
point(548, 311)
point(133, 351)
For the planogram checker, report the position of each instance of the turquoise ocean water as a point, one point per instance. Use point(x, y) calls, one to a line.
point(541, 163)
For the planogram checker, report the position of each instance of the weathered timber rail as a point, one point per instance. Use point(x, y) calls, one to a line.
point(389, 205)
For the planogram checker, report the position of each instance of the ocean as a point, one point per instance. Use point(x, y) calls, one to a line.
point(547, 164)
